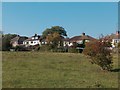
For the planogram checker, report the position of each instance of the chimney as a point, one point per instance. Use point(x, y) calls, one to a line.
point(83, 34)
point(35, 35)
point(117, 32)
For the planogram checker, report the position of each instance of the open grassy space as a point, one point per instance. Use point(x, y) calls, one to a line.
point(54, 70)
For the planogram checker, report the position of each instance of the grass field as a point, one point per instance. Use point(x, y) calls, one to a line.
point(54, 70)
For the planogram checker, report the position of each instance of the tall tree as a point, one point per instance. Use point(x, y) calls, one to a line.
point(54, 40)
point(60, 30)
point(54, 36)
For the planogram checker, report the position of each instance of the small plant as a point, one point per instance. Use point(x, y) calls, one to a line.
point(99, 53)
point(45, 48)
point(73, 49)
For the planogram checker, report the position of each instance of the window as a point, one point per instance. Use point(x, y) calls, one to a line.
point(115, 41)
point(36, 37)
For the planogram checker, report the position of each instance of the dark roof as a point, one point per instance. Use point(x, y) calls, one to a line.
point(30, 39)
point(66, 39)
point(81, 37)
point(18, 39)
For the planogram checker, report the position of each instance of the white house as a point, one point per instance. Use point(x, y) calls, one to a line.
point(66, 42)
point(79, 39)
point(116, 39)
point(34, 40)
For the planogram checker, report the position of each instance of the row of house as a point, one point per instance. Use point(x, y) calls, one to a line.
point(38, 40)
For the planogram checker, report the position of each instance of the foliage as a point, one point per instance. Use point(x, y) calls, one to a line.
point(108, 44)
point(45, 48)
point(73, 49)
point(99, 53)
point(119, 45)
point(54, 36)
point(54, 39)
point(6, 41)
point(19, 48)
point(0, 43)
point(55, 29)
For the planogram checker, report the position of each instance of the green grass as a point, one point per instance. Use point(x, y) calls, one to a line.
point(54, 70)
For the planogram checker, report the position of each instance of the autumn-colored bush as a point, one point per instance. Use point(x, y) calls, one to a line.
point(99, 53)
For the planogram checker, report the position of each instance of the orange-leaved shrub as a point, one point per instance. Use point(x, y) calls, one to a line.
point(99, 53)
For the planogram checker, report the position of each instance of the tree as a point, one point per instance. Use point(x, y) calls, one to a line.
point(54, 36)
point(54, 40)
point(6, 41)
point(99, 54)
point(60, 30)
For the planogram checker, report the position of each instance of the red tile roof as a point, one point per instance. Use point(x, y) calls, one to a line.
point(81, 37)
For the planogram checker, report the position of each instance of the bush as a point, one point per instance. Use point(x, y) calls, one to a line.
point(45, 48)
point(20, 48)
point(72, 50)
point(50, 48)
point(99, 54)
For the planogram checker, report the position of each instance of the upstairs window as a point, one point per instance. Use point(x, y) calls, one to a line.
point(36, 37)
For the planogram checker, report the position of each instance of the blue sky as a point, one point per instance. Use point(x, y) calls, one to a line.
point(28, 18)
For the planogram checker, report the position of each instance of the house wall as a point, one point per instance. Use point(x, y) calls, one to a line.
point(114, 42)
point(67, 43)
point(35, 42)
point(14, 44)
point(79, 42)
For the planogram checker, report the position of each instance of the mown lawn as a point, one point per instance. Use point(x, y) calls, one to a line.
point(54, 70)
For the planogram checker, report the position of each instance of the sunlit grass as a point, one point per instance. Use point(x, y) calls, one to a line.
point(59, 70)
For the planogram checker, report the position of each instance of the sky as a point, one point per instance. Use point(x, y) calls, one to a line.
point(60, 0)
point(28, 18)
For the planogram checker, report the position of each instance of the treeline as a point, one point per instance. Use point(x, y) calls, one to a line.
point(5, 41)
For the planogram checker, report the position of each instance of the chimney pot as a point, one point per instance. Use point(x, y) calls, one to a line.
point(83, 34)
point(117, 32)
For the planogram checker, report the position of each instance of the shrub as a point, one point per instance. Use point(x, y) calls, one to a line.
point(72, 50)
point(20, 48)
point(45, 48)
point(99, 54)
